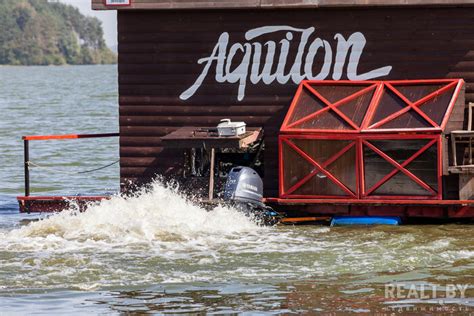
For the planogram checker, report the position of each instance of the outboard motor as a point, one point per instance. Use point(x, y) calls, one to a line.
point(244, 191)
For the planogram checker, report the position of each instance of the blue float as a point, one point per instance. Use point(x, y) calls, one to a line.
point(365, 220)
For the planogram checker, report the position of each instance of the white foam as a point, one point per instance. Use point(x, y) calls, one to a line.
point(160, 236)
point(156, 214)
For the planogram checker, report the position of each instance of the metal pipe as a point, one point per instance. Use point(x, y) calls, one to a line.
point(27, 169)
point(211, 174)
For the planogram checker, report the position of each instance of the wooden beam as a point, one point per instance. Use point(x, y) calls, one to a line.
point(273, 4)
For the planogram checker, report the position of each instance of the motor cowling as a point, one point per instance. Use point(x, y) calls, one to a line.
point(244, 185)
point(244, 191)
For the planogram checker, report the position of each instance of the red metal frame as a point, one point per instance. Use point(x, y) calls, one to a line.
point(360, 136)
point(367, 125)
point(404, 208)
point(359, 141)
point(434, 140)
point(377, 202)
point(290, 127)
point(415, 106)
point(329, 106)
point(68, 136)
point(319, 167)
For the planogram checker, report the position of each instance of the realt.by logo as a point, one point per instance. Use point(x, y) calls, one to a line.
point(402, 291)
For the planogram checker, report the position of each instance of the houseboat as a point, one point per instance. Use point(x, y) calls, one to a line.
point(353, 108)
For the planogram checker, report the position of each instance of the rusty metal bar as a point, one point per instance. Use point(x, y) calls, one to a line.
point(68, 136)
point(26, 159)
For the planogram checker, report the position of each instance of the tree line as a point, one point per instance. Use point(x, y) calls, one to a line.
point(38, 32)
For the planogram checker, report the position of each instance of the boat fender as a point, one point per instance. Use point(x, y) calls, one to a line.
point(365, 220)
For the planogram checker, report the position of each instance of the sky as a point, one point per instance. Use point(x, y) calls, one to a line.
point(108, 18)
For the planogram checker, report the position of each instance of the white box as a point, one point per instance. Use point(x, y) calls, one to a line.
point(228, 128)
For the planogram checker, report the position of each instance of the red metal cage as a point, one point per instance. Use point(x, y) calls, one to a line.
point(319, 166)
point(372, 106)
point(366, 140)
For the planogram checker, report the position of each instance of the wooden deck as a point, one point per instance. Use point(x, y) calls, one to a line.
point(46, 204)
point(439, 209)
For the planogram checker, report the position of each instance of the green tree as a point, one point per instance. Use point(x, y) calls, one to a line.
point(35, 32)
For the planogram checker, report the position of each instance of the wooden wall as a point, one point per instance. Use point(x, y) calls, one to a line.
point(159, 53)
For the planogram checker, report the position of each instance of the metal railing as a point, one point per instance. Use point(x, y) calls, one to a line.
point(26, 150)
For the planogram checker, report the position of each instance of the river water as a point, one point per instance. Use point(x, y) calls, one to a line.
point(158, 252)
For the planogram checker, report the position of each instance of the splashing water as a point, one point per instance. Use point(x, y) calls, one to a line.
point(159, 213)
point(157, 226)
point(161, 237)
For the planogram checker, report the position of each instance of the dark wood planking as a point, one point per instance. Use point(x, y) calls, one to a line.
point(149, 171)
point(273, 4)
point(143, 151)
point(182, 50)
point(223, 99)
point(159, 53)
point(172, 120)
point(206, 89)
point(177, 110)
point(187, 71)
point(138, 141)
point(145, 131)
